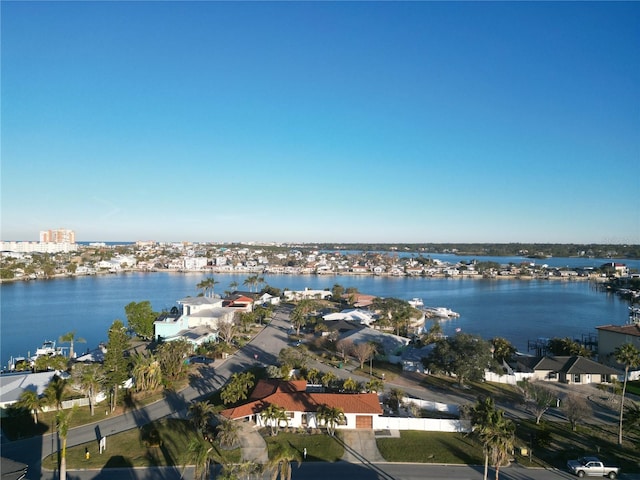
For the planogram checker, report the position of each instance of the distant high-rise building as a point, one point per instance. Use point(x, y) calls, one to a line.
point(61, 235)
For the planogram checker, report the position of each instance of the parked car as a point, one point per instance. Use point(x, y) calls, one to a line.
point(592, 467)
point(200, 359)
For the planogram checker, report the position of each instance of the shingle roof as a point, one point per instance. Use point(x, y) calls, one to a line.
point(633, 329)
point(568, 364)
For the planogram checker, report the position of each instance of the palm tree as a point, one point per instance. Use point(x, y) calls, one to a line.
point(54, 393)
point(146, 372)
point(233, 286)
point(199, 454)
point(375, 385)
point(228, 433)
point(30, 401)
point(500, 438)
point(207, 285)
point(251, 281)
point(328, 378)
point(481, 415)
point(396, 397)
point(496, 433)
point(272, 416)
point(351, 385)
point(63, 419)
point(300, 312)
point(90, 379)
point(200, 414)
point(280, 462)
point(331, 417)
point(629, 356)
point(70, 338)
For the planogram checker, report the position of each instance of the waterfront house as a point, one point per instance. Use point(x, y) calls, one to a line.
point(306, 294)
point(390, 344)
point(566, 369)
point(611, 337)
point(359, 300)
point(13, 385)
point(363, 317)
point(197, 321)
point(239, 301)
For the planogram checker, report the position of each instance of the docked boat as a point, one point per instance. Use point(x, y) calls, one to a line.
point(440, 312)
point(48, 348)
point(416, 302)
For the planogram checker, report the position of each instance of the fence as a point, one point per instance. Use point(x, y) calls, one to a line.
point(424, 424)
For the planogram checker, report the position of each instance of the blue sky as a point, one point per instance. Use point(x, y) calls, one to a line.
point(322, 122)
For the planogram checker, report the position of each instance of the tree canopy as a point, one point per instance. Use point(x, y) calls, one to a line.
point(140, 317)
point(463, 355)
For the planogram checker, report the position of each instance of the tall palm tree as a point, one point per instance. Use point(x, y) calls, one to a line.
point(480, 419)
point(31, 401)
point(273, 416)
point(496, 433)
point(330, 417)
point(280, 462)
point(233, 286)
point(500, 438)
point(63, 419)
point(207, 285)
point(70, 338)
point(629, 356)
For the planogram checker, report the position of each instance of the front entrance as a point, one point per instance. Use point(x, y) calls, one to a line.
point(364, 421)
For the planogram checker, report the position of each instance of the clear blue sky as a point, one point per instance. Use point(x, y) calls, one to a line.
point(331, 121)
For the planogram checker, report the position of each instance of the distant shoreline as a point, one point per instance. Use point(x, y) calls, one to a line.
point(596, 279)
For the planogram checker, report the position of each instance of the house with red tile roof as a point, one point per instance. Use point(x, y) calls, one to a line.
point(301, 406)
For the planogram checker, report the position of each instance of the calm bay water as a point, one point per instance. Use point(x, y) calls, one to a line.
point(31, 312)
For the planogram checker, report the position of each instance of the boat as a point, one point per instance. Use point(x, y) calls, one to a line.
point(441, 312)
point(48, 348)
point(416, 302)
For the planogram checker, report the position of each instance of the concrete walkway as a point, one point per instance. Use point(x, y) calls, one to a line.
point(252, 445)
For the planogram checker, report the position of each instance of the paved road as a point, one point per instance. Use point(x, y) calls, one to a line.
point(263, 348)
point(323, 470)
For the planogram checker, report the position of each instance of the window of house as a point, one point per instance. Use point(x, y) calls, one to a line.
point(576, 378)
point(304, 419)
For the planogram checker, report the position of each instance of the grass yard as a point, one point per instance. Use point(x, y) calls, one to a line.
point(431, 447)
point(554, 443)
point(320, 447)
point(157, 444)
point(634, 387)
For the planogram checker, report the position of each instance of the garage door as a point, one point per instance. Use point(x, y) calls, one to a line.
point(364, 421)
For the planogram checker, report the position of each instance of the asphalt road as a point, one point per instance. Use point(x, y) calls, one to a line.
point(323, 470)
point(263, 349)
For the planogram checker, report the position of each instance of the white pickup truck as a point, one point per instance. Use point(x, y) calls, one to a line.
point(591, 467)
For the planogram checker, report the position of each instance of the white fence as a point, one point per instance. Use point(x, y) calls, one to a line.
point(424, 424)
point(511, 379)
point(433, 406)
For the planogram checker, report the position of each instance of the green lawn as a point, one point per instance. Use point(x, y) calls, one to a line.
point(431, 447)
point(554, 443)
point(320, 447)
point(157, 444)
point(634, 387)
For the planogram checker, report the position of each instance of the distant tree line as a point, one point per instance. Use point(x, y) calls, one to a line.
point(533, 250)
